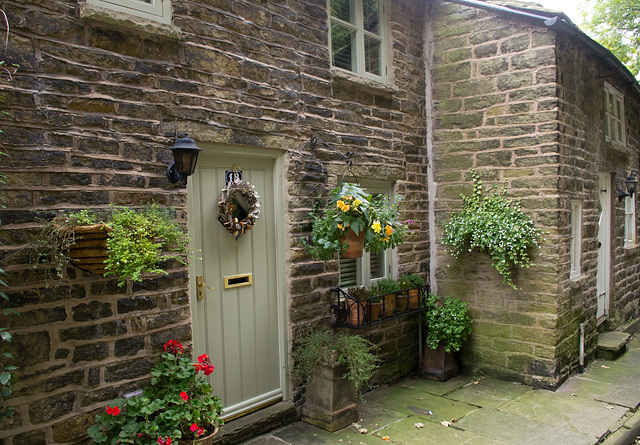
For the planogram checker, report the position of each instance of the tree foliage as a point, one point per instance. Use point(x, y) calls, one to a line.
point(615, 24)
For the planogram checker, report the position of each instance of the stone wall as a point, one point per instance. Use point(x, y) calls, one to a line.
point(523, 105)
point(496, 111)
point(92, 112)
point(586, 152)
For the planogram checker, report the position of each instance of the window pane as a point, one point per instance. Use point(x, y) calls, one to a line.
point(342, 42)
point(371, 10)
point(342, 10)
point(376, 265)
point(372, 55)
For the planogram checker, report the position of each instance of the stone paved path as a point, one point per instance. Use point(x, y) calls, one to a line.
point(597, 406)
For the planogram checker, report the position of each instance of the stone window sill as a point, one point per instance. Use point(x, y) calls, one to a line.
point(631, 248)
point(374, 85)
point(128, 21)
point(577, 281)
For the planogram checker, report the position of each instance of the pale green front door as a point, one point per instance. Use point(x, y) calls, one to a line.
point(239, 326)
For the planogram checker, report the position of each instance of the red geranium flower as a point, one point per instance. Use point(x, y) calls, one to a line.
point(113, 411)
point(184, 396)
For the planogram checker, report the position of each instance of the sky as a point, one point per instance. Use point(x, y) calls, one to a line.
point(569, 7)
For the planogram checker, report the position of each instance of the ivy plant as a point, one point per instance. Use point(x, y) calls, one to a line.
point(494, 224)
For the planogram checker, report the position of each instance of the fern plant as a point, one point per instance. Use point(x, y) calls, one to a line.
point(493, 224)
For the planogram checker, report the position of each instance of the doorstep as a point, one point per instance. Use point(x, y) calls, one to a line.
point(260, 422)
point(612, 344)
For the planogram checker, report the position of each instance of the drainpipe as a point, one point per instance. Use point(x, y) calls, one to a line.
point(431, 184)
point(581, 329)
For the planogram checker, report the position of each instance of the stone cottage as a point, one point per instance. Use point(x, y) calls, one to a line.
point(417, 91)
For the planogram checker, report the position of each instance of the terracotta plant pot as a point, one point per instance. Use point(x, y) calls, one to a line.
point(89, 251)
point(355, 244)
point(414, 298)
point(389, 305)
point(438, 364)
point(200, 441)
point(375, 310)
point(401, 302)
point(356, 312)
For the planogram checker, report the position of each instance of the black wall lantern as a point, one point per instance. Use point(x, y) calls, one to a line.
point(631, 183)
point(185, 156)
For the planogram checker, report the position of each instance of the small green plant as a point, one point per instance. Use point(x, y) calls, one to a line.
point(178, 405)
point(315, 350)
point(447, 322)
point(360, 293)
point(494, 224)
point(350, 207)
point(137, 241)
point(409, 281)
point(385, 286)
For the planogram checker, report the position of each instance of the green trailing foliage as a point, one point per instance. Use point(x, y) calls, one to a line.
point(315, 350)
point(493, 224)
point(138, 240)
point(447, 322)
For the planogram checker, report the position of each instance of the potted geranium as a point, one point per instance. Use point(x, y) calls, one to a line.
point(178, 407)
point(448, 325)
point(352, 221)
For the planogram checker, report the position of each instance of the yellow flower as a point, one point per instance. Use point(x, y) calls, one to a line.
point(388, 230)
point(356, 202)
point(376, 226)
point(341, 227)
point(342, 206)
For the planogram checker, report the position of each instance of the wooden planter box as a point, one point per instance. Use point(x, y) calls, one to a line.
point(89, 251)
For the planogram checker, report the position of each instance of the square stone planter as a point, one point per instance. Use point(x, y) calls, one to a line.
point(330, 398)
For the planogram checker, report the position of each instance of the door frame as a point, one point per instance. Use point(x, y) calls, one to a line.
point(603, 271)
point(281, 259)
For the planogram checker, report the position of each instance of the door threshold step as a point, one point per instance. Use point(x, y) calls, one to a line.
point(612, 344)
point(257, 423)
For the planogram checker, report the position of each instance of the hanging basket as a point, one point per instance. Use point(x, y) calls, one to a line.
point(238, 207)
point(89, 250)
point(355, 244)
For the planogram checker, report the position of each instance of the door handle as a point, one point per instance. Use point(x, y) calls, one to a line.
point(199, 287)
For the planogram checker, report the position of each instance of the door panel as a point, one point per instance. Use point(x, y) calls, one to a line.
point(604, 246)
point(237, 326)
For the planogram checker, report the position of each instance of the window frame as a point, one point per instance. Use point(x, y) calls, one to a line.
point(158, 11)
point(575, 245)
point(630, 237)
point(358, 27)
point(615, 128)
point(363, 264)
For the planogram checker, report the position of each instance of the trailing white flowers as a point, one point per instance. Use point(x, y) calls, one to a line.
point(495, 225)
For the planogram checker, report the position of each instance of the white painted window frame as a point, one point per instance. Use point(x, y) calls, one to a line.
point(575, 246)
point(614, 114)
point(158, 10)
point(360, 41)
point(630, 238)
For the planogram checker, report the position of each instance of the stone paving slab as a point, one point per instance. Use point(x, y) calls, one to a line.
point(373, 416)
point(418, 403)
point(406, 433)
point(488, 392)
point(605, 392)
point(437, 388)
point(512, 429)
point(568, 412)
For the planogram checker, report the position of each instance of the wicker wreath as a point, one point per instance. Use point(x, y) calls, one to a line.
point(238, 207)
